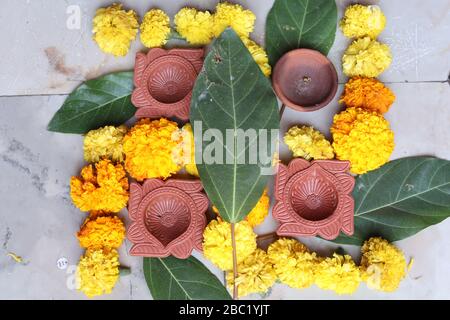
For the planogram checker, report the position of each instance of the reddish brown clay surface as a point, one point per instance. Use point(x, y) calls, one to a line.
point(168, 217)
point(164, 80)
point(314, 198)
point(305, 80)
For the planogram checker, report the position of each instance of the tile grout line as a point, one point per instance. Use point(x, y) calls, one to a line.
point(340, 83)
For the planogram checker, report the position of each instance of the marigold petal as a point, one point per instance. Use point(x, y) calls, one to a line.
point(114, 29)
point(153, 149)
point(98, 272)
point(189, 150)
point(367, 93)
point(217, 243)
point(383, 266)
point(362, 137)
point(338, 273)
point(105, 142)
point(366, 57)
point(235, 16)
point(101, 232)
point(155, 28)
point(196, 26)
point(259, 55)
point(308, 143)
point(102, 189)
point(293, 263)
point(255, 274)
point(360, 21)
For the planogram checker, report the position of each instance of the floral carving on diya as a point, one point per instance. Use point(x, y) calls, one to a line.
point(164, 80)
point(168, 217)
point(314, 198)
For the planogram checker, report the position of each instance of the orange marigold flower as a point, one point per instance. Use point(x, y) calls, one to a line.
point(153, 149)
point(99, 213)
point(102, 232)
point(367, 93)
point(103, 188)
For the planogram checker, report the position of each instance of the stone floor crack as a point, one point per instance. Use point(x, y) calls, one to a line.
point(6, 238)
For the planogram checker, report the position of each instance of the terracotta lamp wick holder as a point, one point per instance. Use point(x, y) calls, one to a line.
point(168, 217)
point(164, 80)
point(305, 80)
point(314, 198)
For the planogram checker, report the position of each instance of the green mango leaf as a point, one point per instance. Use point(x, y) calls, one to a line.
point(400, 199)
point(293, 24)
point(232, 96)
point(96, 103)
point(182, 279)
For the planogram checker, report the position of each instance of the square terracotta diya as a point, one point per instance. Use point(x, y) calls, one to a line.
point(164, 80)
point(314, 198)
point(168, 217)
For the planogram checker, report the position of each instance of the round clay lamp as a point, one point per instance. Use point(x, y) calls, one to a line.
point(305, 80)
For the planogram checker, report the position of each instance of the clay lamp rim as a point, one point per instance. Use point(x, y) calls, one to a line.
point(298, 187)
point(153, 71)
point(181, 196)
point(167, 61)
point(302, 175)
point(310, 54)
point(153, 232)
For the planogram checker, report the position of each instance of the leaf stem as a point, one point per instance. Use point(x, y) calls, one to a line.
point(267, 236)
point(174, 35)
point(233, 245)
point(265, 240)
point(124, 271)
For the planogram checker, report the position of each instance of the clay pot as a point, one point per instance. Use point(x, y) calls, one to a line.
point(305, 80)
point(314, 198)
point(168, 218)
point(164, 80)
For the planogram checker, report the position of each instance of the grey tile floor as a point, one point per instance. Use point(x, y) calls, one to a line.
point(42, 60)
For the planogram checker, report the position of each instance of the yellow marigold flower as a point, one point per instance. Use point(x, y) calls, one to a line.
point(259, 55)
point(259, 211)
point(235, 16)
point(339, 273)
point(383, 265)
point(152, 149)
point(196, 26)
point(217, 243)
point(255, 274)
point(103, 231)
point(360, 21)
point(155, 28)
point(293, 263)
point(367, 93)
point(189, 150)
point(308, 143)
point(114, 29)
point(362, 137)
point(105, 142)
point(104, 188)
point(366, 57)
point(98, 272)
